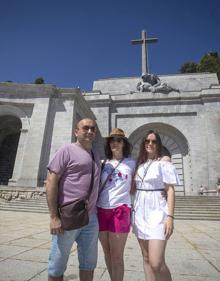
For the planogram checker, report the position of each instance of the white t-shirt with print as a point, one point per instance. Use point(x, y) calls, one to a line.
point(116, 191)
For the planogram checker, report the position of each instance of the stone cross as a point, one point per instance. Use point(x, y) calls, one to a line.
point(144, 40)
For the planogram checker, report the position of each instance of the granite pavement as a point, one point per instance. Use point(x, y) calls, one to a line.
point(193, 252)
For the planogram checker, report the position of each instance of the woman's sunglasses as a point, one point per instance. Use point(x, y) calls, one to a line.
point(150, 141)
point(116, 139)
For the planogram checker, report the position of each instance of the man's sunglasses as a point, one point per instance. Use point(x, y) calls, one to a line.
point(91, 128)
point(150, 141)
point(116, 139)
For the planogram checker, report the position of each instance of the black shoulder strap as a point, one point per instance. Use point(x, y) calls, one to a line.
point(92, 175)
point(145, 172)
point(108, 177)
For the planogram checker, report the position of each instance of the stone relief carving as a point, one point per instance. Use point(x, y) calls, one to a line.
point(7, 195)
point(151, 83)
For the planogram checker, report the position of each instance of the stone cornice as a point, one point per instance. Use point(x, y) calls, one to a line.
point(140, 99)
point(97, 101)
point(26, 90)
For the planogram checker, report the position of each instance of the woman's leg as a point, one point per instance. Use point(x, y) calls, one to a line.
point(104, 239)
point(117, 245)
point(149, 273)
point(156, 250)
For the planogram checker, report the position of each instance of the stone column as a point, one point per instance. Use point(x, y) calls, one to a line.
point(19, 157)
point(28, 175)
point(63, 124)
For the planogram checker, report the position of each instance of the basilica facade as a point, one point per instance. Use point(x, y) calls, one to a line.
point(35, 120)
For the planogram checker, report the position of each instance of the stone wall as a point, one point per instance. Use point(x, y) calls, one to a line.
point(189, 120)
point(48, 116)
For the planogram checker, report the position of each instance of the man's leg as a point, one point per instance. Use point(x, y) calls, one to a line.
point(55, 278)
point(87, 243)
point(86, 275)
point(59, 254)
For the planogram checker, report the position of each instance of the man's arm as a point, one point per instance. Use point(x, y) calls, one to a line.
point(52, 198)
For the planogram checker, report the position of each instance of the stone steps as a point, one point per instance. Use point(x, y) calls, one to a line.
point(25, 205)
point(188, 207)
point(197, 207)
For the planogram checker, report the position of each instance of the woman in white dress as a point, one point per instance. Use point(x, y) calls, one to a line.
point(153, 213)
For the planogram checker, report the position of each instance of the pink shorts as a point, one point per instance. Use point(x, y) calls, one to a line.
point(115, 220)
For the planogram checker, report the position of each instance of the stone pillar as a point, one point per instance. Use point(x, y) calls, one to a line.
point(213, 147)
point(198, 152)
point(28, 175)
point(63, 124)
point(19, 157)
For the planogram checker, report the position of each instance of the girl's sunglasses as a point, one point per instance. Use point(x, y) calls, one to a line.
point(150, 141)
point(116, 139)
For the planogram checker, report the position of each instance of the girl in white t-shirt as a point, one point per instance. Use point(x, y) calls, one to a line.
point(154, 213)
point(114, 203)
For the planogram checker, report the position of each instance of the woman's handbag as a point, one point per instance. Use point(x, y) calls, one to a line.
point(74, 214)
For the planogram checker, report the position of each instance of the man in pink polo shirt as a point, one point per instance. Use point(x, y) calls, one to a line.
point(69, 177)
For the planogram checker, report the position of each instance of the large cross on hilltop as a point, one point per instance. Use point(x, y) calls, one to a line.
point(144, 40)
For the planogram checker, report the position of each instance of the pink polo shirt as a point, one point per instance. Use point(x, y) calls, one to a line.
point(74, 165)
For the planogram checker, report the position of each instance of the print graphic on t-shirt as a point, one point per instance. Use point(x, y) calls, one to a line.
point(117, 176)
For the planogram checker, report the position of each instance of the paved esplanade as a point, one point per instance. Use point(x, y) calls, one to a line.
point(193, 252)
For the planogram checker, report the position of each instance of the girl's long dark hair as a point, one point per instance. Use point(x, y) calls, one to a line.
point(126, 149)
point(143, 155)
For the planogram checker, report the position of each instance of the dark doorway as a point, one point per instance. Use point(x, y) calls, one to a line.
point(10, 128)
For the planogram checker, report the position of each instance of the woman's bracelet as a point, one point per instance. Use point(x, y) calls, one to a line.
point(170, 216)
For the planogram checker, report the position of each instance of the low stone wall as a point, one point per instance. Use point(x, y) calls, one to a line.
point(21, 194)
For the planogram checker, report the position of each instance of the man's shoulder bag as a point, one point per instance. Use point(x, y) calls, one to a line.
point(74, 214)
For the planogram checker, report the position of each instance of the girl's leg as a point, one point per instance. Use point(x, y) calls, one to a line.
point(117, 245)
point(149, 273)
point(156, 250)
point(104, 239)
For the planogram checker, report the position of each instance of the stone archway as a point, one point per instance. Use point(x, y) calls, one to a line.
point(174, 143)
point(10, 128)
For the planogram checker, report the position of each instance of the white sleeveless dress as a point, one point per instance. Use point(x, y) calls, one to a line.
point(150, 207)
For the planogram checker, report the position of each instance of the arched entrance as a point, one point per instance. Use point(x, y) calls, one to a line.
point(10, 127)
point(175, 145)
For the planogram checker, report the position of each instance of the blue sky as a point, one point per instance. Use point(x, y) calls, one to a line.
point(71, 43)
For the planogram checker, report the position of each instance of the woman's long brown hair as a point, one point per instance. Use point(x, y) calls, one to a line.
point(143, 155)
